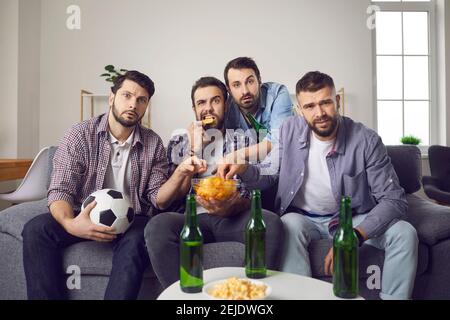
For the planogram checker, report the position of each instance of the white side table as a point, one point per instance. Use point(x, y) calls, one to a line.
point(285, 286)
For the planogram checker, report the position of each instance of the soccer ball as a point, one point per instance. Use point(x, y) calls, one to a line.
point(112, 210)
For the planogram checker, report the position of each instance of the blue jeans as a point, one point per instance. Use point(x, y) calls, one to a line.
point(399, 242)
point(44, 239)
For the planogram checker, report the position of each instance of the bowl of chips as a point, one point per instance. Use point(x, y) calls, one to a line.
point(215, 188)
point(237, 289)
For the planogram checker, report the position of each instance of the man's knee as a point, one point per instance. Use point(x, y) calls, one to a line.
point(160, 226)
point(404, 234)
point(37, 227)
point(273, 223)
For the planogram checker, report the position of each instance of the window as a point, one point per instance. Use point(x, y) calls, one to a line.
point(404, 64)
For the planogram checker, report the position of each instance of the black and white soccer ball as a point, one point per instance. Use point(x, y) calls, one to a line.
point(113, 209)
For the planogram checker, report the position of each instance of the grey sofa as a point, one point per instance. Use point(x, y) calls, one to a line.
point(431, 221)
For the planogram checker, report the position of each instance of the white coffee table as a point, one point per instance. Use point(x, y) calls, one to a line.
point(285, 286)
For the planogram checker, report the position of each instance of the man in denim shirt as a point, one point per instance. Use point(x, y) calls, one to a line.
point(269, 103)
point(320, 157)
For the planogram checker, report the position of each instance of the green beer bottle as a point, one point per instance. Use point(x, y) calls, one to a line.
point(191, 250)
point(261, 130)
point(255, 241)
point(345, 254)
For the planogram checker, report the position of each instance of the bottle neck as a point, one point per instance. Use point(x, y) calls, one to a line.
point(345, 214)
point(256, 206)
point(191, 212)
point(253, 122)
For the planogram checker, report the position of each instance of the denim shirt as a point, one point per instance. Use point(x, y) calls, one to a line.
point(275, 106)
point(359, 167)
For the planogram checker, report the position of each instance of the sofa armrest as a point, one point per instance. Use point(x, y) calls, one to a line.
point(431, 181)
point(432, 221)
point(437, 194)
point(13, 219)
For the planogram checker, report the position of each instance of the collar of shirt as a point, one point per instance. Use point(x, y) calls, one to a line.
point(103, 128)
point(113, 139)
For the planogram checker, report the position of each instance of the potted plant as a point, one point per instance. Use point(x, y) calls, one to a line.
point(112, 73)
point(411, 140)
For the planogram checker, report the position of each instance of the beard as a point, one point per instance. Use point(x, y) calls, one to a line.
point(252, 101)
point(125, 122)
point(324, 133)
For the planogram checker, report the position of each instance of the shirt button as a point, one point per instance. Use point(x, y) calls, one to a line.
point(302, 174)
point(292, 192)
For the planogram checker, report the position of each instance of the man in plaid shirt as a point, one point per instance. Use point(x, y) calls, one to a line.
point(110, 151)
point(196, 154)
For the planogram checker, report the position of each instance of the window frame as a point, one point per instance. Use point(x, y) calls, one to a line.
point(429, 7)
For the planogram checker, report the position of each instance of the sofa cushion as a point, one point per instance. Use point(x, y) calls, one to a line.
point(432, 221)
point(95, 258)
point(368, 256)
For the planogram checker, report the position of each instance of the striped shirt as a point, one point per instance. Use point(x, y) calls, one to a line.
point(81, 162)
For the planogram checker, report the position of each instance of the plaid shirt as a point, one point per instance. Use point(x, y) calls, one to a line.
point(83, 156)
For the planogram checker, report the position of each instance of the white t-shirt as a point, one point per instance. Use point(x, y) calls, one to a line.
point(315, 195)
point(118, 174)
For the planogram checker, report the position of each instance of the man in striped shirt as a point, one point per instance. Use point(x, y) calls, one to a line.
point(109, 151)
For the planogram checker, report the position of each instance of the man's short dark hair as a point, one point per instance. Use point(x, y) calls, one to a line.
point(314, 81)
point(141, 79)
point(241, 63)
point(208, 82)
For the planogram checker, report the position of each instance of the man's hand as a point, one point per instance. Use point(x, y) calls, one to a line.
point(220, 208)
point(329, 263)
point(191, 166)
point(230, 166)
point(197, 137)
point(82, 227)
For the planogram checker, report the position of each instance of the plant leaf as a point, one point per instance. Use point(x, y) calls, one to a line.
point(109, 68)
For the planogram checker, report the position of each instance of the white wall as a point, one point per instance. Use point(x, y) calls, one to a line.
point(177, 41)
point(9, 31)
point(28, 78)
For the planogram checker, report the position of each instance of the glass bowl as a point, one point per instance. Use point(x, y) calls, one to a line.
point(215, 188)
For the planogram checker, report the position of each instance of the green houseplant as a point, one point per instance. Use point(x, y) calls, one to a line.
point(411, 140)
point(112, 73)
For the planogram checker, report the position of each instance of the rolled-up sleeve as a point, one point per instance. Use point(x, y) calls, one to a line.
point(69, 166)
point(159, 173)
point(385, 188)
point(282, 109)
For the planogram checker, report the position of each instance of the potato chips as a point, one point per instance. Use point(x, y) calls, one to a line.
point(238, 289)
point(215, 188)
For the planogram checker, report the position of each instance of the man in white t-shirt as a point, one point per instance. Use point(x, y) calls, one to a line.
point(321, 157)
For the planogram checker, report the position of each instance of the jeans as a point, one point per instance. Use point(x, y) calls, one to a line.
point(163, 232)
point(44, 240)
point(399, 242)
